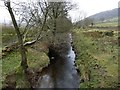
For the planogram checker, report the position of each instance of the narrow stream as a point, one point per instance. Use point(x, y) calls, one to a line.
point(60, 73)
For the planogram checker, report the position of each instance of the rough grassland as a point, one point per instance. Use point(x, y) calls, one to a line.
point(97, 58)
point(106, 24)
point(36, 55)
point(10, 63)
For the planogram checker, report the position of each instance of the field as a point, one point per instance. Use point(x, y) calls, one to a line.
point(37, 59)
point(97, 57)
point(106, 24)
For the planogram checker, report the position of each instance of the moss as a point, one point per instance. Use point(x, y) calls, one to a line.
point(21, 80)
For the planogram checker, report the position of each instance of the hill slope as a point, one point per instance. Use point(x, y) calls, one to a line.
point(106, 15)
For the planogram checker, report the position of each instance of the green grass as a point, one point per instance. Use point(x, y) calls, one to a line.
point(11, 64)
point(106, 24)
point(0, 74)
point(96, 58)
point(9, 35)
point(36, 56)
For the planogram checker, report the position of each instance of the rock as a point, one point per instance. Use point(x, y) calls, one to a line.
point(10, 81)
point(52, 57)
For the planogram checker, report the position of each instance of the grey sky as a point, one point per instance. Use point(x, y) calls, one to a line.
point(88, 7)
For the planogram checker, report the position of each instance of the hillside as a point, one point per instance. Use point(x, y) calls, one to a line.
point(111, 15)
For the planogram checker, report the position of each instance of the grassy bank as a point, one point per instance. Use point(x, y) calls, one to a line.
point(36, 54)
point(97, 58)
point(12, 73)
point(37, 59)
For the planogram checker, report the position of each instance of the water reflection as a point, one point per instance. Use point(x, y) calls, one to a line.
point(61, 73)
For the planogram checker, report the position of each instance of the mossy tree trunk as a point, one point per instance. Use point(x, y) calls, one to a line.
point(19, 35)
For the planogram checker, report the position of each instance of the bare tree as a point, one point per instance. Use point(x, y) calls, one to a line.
point(58, 11)
point(34, 15)
point(19, 35)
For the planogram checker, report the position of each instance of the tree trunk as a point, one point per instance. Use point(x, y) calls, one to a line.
point(54, 29)
point(20, 39)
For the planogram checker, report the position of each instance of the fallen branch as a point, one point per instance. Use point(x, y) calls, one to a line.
point(10, 48)
point(29, 42)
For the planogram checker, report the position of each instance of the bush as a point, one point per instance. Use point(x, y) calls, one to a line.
point(109, 33)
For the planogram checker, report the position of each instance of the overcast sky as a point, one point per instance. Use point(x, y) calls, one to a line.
point(89, 7)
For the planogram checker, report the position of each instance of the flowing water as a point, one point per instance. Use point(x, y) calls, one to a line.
point(61, 72)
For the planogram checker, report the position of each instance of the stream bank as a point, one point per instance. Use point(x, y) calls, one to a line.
point(61, 72)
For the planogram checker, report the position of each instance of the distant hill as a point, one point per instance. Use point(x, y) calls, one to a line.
point(111, 15)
